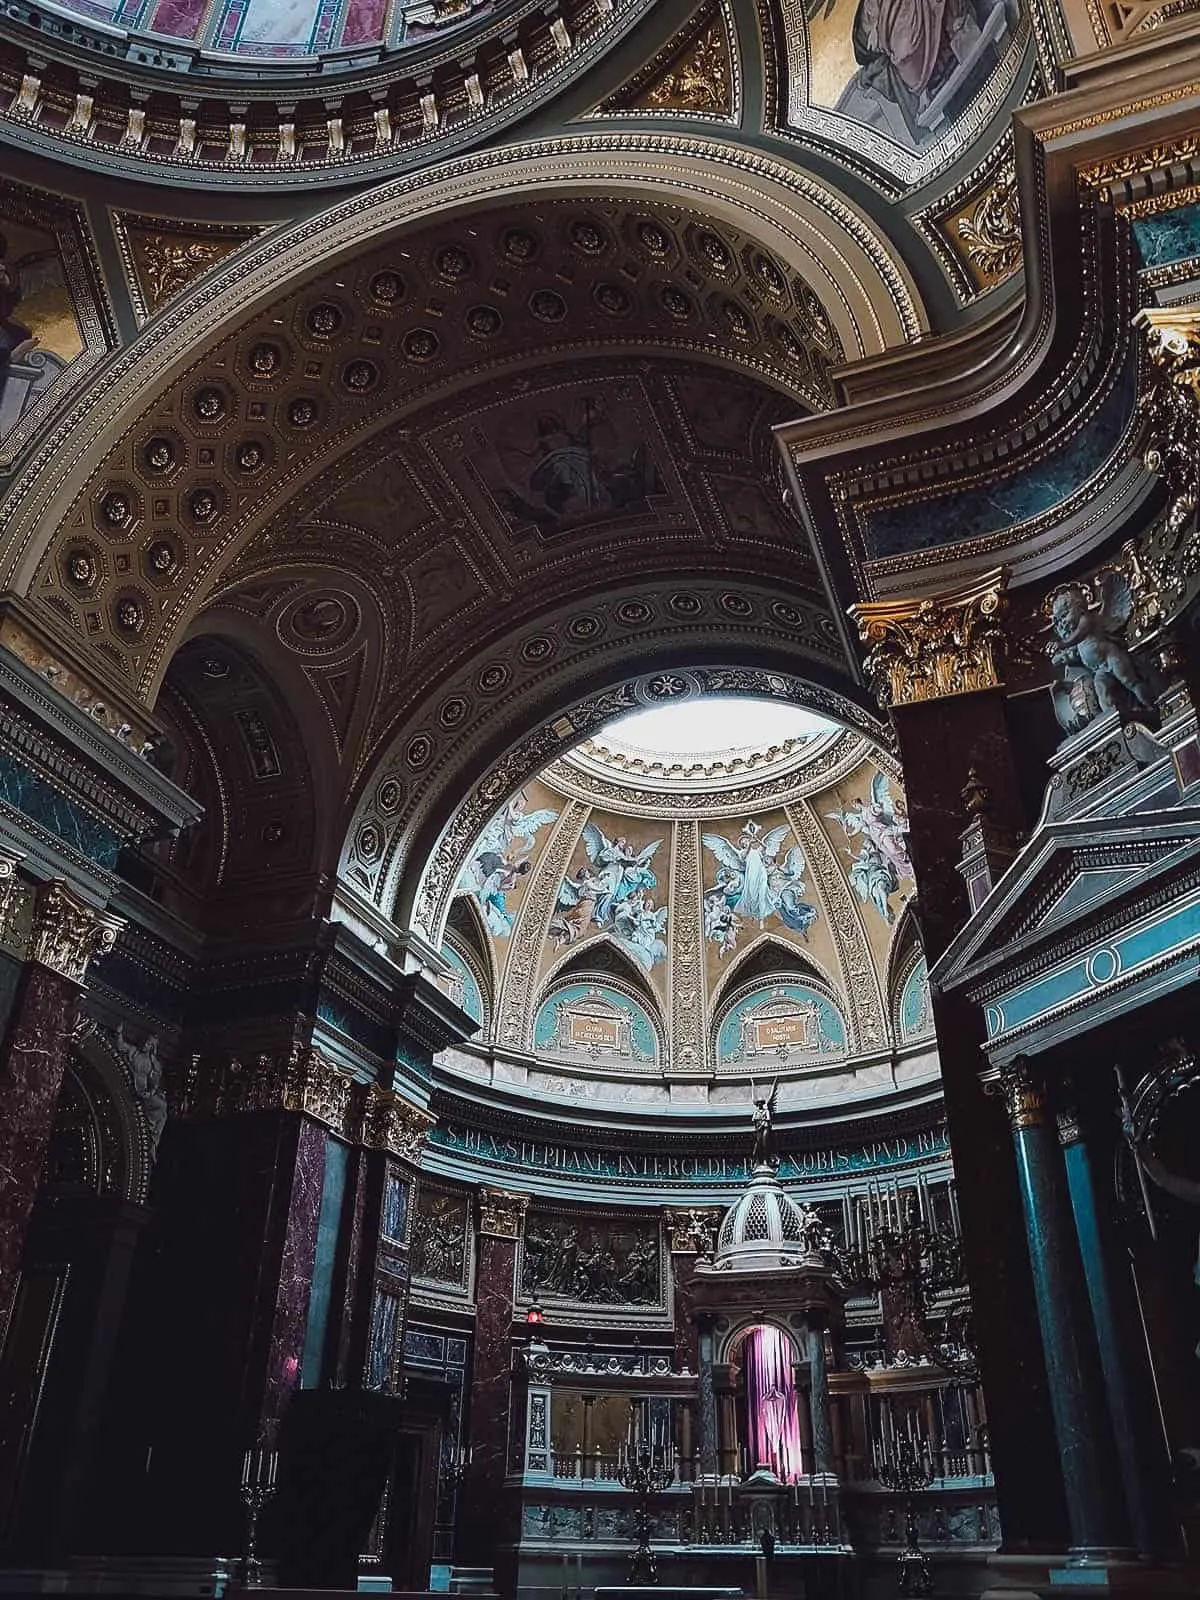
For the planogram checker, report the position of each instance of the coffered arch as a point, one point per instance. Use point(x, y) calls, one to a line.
point(210, 441)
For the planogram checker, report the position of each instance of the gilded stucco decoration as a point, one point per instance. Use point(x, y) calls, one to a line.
point(66, 934)
point(975, 230)
point(936, 646)
point(696, 74)
point(163, 256)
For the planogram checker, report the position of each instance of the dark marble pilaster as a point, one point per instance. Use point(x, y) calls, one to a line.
point(706, 1410)
point(1141, 1448)
point(1086, 1444)
point(483, 1515)
point(64, 935)
point(940, 742)
point(818, 1390)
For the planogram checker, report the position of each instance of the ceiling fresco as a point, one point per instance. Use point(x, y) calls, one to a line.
point(597, 885)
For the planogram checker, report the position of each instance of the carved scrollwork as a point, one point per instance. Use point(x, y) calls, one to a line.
point(936, 646)
point(67, 933)
point(392, 1124)
point(500, 1212)
point(990, 232)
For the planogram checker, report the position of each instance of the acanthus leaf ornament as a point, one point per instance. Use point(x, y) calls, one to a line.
point(500, 1212)
point(935, 646)
point(393, 1124)
point(1020, 1085)
point(68, 933)
point(990, 232)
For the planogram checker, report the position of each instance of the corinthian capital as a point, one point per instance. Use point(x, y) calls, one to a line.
point(67, 932)
point(1024, 1095)
point(500, 1212)
point(1169, 404)
point(935, 646)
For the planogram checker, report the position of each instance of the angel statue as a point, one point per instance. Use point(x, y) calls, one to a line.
point(763, 1154)
point(1100, 673)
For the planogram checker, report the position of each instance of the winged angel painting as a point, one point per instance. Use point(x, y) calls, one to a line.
point(878, 833)
point(612, 891)
point(753, 884)
point(501, 860)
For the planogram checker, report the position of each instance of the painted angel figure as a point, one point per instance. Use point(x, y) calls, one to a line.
point(640, 926)
point(622, 869)
point(763, 1153)
point(756, 883)
point(575, 907)
point(1096, 664)
point(882, 859)
point(501, 860)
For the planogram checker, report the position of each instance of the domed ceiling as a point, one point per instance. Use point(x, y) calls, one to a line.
point(695, 900)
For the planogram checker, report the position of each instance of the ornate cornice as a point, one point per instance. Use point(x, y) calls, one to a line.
point(66, 933)
point(937, 646)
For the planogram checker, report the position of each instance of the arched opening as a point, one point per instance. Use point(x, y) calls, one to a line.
point(771, 1436)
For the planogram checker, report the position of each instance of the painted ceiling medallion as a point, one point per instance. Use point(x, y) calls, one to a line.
point(316, 624)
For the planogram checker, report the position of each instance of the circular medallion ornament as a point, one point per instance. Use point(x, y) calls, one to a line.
point(787, 614)
point(769, 275)
point(82, 567)
point(585, 627)
point(117, 509)
point(654, 240)
point(738, 320)
point(453, 711)
point(273, 833)
point(208, 404)
point(518, 246)
point(686, 605)
point(420, 750)
point(587, 237)
point(452, 263)
point(369, 842)
point(736, 605)
point(676, 303)
point(204, 504)
point(317, 624)
point(613, 299)
point(265, 361)
point(324, 320)
point(493, 677)
point(161, 559)
point(389, 795)
point(538, 649)
point(792, 346)
point(547, 305)
point(302, 412)
point(813, 313)
point(420, 344)
point(484, 322)
point(129, 614)
point(715, 253)
point(387, 288)
point(159, 454)
point(360, 376)
point(634, 613)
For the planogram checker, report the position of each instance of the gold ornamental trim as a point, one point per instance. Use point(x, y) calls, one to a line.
point(395, 1125)
point(67, 932)
point(322, 1091)
point(935, 646)
point(500, 1212)
point(1024, 1094)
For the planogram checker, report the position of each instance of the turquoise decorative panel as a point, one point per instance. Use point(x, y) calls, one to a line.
point(1169, 236)
point(595, 1023)
point(780, 1024)
point(25, 792)
point(462, 987)
point(916, 1018)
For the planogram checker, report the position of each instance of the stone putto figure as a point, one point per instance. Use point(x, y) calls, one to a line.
point(1100, 673)
point(146, 1071)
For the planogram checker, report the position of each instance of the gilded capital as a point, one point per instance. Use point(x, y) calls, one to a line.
point(1024, 1095)
point(500, 1212)
point(394, 1125)
point(694, 1231)
point(1169, 404)
point(936, 646)
point(67, 932)
point(321, 1091)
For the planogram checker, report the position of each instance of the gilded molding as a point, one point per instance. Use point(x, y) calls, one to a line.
point(393, 1124)
point(696, 74)
point(67, 932)
point(163, 256)
point(935, 647)
point(321, 1091)
point(1024, 1095)
point(500, 1213)
point(686, 983)
point(1169, 404)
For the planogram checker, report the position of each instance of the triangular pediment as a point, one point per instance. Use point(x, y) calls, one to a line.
point(1071, 874)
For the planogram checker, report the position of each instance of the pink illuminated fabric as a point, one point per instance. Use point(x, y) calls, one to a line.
point(771, 1402)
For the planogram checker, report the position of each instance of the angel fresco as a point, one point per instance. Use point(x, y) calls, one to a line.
point(501, 860)
point(612, 891)
point(880, 862)
point(753, 884)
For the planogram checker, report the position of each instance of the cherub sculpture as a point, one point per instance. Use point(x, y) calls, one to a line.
point(1100, 673)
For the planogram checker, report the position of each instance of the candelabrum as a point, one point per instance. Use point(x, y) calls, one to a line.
point(907, 1471)
point(644, 1472)
point(259, 1468)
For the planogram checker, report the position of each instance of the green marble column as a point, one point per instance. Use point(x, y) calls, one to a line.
point(1082, 1426)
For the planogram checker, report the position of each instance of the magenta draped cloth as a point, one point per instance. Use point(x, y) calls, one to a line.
point(771, 1402)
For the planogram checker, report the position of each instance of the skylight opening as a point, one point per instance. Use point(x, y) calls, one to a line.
point(713, 726)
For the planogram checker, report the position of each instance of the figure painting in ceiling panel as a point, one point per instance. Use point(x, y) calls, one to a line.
point(874, 826)
point(565, 461)
point(612, 886)
point(290, 28)
point(45, 311)
point(461, 985)
point(504, 858)
point(757, 876)
point(906, 69)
